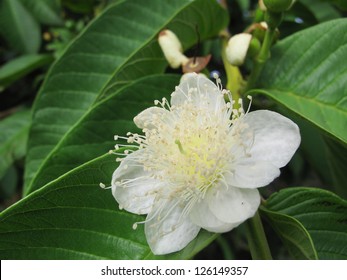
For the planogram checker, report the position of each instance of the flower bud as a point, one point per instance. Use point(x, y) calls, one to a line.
point(237, 48)
point(262, 5)
point(278, 6)
point(172, 48)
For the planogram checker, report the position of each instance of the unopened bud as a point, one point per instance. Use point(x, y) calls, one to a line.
point(237, 48)
point(278, 6)
point(172, 48)
point(262, 5)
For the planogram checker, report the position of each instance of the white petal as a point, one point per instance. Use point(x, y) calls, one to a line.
point(276, 138)
point(136, 196)
point(148, 117)
point(200, 91)
point(202, 216)
point(233, 205)
point(166, 229)
point(247, 173)
point(186, 76)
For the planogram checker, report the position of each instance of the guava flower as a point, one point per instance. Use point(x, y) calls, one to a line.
point(199, 163)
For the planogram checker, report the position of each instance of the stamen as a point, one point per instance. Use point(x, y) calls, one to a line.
point(103, 186)
point(250, 103)
point(180, 147)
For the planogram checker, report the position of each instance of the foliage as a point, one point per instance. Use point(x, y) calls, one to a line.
point(74, 73)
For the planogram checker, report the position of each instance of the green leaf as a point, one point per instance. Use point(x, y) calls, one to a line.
point(321, 213)
point(307, 73)
point(336, 159)
point(13, 138)
point(21, 66)
point(8, 184)
point(322, 11)
point(342, 4)
point(79, 6)
point(314, 149)
point(293, 234)
point(73, 218)
point(45, 11)
point(312, 146)
point(94, 133)
point(18, 27)
point(103, 59)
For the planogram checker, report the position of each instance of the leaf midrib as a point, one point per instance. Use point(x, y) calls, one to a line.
point(100, 233)
point(299, 96)
point(69, 45)
point(73, 127)
point(31, 184)
point(299, 226)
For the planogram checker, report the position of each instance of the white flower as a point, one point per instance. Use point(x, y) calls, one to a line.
point(237, 48)
point(200, 163)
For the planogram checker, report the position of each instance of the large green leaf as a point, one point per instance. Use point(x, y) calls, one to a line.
point(293, 234)
point(18, 27)
point(73, 218)
point(13, 138)
point(307, 73)
point(118, 47)
point(94, 133)
point(317, 212)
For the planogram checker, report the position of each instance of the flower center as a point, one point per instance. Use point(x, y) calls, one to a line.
point(190, 145)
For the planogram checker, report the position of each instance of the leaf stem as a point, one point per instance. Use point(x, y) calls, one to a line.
point(260, 59)
point(256, 239)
